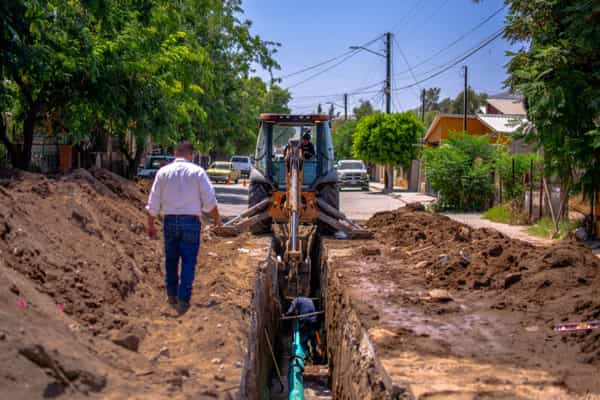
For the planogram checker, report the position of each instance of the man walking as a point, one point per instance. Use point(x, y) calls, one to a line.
point(182, 191)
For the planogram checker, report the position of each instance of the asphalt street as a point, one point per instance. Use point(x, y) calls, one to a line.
point(355, 204)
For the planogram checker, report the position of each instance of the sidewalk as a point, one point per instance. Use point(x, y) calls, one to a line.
point(403, 195)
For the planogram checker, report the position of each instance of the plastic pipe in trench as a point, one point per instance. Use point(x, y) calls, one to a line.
point(295, 382)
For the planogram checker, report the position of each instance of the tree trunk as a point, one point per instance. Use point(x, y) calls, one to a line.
point(389, 181)
point(28, 127)
point(11, 149)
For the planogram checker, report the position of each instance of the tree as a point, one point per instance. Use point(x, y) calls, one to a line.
point(474, 102)
point(364, 108)
point(331, 111)
point(432, 97)
point(342, 136)
point(388, 139)
point(46, 54)
point(559, 77)
point(459, 170)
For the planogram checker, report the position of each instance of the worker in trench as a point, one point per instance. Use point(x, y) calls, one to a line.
point(182, 191)
point(309, 325)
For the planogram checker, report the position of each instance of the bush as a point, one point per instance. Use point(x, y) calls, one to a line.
point(513, 190)
point(545, 228)
point(459, 170)
point(507, 213)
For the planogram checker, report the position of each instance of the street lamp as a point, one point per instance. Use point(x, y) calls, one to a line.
point(365, 49)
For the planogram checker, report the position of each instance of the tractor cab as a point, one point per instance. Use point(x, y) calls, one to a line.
point(276, 132)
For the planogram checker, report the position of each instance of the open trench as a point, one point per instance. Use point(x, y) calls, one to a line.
point(349, 368)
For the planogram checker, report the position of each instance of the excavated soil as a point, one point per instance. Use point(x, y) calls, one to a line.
point(458, 313)
point(82, 303)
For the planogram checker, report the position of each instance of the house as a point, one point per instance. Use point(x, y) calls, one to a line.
point(505, 103)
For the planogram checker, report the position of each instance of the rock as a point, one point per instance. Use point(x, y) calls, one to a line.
point(463, 234)
point(440, 295)
point(126, 340)
point(420, 264)
point(14, 289)
point(238, 364)
point(18, 252)
point(581, 234)
point(216, 361)
point(496, 251)
point(443, 259)
point(511, 279)
point(183, 371)
point(370, 251)
point(220, 378)
point(2, 336)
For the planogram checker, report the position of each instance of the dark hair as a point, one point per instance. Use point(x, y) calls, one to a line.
point(184, 147)
point(306, 136)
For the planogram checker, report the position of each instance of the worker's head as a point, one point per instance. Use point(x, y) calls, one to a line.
point(306, 138)
point(185, 149)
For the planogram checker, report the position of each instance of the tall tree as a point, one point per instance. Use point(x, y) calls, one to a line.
point(432, 97)
point(388, 139)
point(342, 136)
point(363, 109)
point(559, 76)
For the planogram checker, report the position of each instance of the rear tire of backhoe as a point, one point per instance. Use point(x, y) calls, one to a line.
point(256, 194)
point(330, 194)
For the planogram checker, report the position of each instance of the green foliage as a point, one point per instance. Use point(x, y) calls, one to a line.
point(363, 109)
point(559, 75)
point(507, 213)
point(342, 136)
point(388, 139)
point(459, 170)
point(546, 229)
point(138, 70)
point(514, 189)
point(500, 213)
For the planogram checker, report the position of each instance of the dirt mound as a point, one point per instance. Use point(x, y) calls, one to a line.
point(82, 295)
point(559, 283)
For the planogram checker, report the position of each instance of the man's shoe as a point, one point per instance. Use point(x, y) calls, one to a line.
point(182, 306)
point(172, 300)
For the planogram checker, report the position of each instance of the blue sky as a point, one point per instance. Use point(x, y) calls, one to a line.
point(312, 31)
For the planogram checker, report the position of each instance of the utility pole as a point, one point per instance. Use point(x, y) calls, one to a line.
point(345, 106)
point(423, 105)
point(388, 72)
point(465, 97)
point(388, 99)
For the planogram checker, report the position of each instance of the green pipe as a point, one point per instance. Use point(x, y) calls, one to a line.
point(295, 383)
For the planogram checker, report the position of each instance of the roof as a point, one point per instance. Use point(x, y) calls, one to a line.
point(507, 94)
point(509, 106)
point(502, 123)
point(440, 116)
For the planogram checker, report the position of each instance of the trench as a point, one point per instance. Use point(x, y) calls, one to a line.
point(260, 377)
point(349, 368)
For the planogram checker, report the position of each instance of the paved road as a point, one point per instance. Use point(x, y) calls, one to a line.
point(357, 205)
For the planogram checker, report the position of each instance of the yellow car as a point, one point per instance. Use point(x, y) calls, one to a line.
point(222, 171)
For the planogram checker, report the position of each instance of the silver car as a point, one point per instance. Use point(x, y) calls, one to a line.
point(352, 174)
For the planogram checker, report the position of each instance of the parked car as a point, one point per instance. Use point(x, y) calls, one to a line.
point(352, 173)
point(223, 171)
point(242, 164)
point(153, 164)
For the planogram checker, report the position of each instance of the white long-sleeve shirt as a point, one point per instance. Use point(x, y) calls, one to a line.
point(181, 188)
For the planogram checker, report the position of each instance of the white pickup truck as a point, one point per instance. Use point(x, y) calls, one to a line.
point(242, 164)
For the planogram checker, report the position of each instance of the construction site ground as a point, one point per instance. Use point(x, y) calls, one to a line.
point(453, 312)
point(82, 302)
point(460, 313)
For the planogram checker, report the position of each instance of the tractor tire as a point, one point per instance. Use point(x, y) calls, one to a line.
point(256, 194)
point(329, 193)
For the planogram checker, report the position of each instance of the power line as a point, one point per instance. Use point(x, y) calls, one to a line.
point(362, 90)
point(457, 40)
point(405, 16)
point(406, 61)
point(430, 17)
point(457, 61)
point(322, 63)
point(343, 60)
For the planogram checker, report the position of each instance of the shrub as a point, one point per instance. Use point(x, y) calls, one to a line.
point(459, 170)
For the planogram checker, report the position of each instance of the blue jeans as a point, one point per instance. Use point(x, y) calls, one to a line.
point(182, 240)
